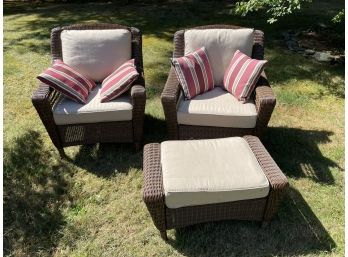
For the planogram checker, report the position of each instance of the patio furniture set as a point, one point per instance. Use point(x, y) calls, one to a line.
point(216, 101)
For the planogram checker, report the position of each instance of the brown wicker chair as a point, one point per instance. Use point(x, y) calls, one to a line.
point(45, 97)
point(263, 97)
point(260, 209)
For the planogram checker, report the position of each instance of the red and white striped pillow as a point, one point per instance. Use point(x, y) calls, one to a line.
point(194, 73)
point(242, 75)
point(67, 81)
point(119, 81)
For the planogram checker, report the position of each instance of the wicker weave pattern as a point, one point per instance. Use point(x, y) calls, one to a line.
point(191, 132)
point(79, 134)
point(263, 96)
point(240, 210)
point(153, 192)
point(278, 182)
point(169, 99)
point(262, 209)
point(265, 102)
point(125, 131)
point(138, 100)
point(43, 100)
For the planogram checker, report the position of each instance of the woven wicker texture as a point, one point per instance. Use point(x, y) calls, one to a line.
point(44, 99)
point(262, 209)
point(240, 210)
point(277, 180)
point(263, 96)
point(153, 192)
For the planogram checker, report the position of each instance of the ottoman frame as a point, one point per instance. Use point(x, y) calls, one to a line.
point(164, 218)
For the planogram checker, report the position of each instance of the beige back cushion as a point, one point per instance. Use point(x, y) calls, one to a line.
point(220, 45)
point(96, 53)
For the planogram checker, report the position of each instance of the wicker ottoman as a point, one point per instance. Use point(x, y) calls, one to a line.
point(195, 181)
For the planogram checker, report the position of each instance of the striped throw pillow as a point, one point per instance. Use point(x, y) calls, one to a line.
point(119, 81)
point(67, 81)
point(194, 73)
point(242, 75)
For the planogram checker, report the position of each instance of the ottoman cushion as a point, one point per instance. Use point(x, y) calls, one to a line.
point(198, 172)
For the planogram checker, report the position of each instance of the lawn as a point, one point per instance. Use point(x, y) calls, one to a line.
point(91, 205)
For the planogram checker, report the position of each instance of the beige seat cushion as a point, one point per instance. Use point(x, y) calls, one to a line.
point(217, 108)
point(197, 172)
point(220, 45)
point(96, 53)
point(67, 111)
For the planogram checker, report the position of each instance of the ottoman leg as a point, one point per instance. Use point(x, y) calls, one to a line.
point(164, 235)
point(278, 183)
point(137, 146)
point(61, 152)
point(153, 192)
point(265, 223)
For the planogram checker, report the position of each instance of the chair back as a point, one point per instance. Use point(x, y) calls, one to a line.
point(221, 41)
point(258, 44)
point(124, 34)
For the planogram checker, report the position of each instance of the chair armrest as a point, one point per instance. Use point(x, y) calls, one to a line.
point(265, 102)
point(172, 88)
point(45, 95)
point(153, 192)
point(170, 98)
point(41, 94)
point(138, 94)
point(43, 100)
point(277, 180)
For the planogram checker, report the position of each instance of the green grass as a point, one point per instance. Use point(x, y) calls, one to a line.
point(91, 205)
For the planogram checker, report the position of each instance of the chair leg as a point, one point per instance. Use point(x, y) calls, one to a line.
point(164, 235)
point(137, 146)
point(61, 152)
point(265, 223)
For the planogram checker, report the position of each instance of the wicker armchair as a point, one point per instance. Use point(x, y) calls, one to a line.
point(263, 97)
point(45, 98)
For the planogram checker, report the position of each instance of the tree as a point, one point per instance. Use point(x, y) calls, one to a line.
point(339, 17)
point(276, 8)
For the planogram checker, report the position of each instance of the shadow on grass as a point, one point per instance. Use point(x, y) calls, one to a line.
point(107, 159)
point(297, 153)
point(296, 231)
point(155, 130)
point(158, 19)
point(35, 189)
point(161, 21)
point(299, 68)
